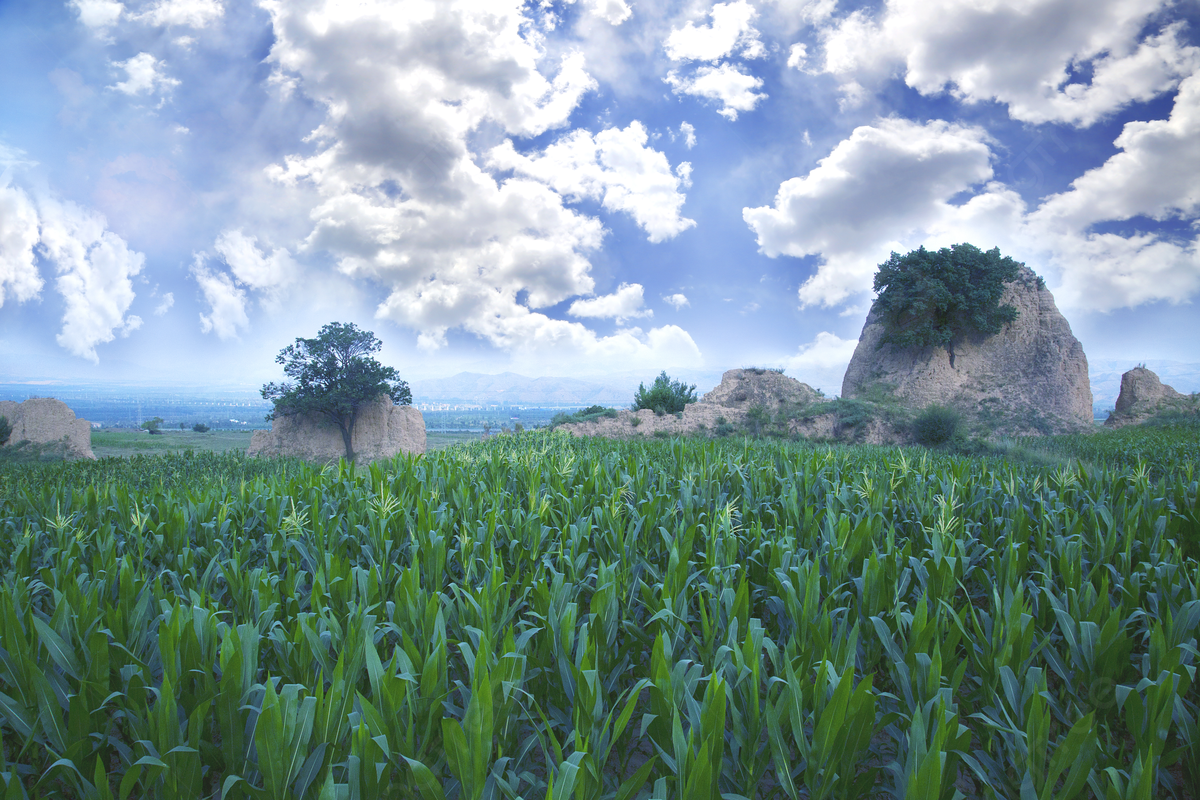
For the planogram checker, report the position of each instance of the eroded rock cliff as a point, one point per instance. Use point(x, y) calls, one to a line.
point(46, 421)
point(381, 431)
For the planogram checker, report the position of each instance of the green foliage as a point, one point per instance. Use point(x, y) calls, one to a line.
point(664, 396)
point(758, 417)
point(153, 425)
point(547, 616)
point(333, 376)
point(937, 425)
point(5, 430)
point(928, 298)
point(589, 414)
point(200, 427)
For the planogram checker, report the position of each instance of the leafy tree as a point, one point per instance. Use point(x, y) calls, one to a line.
point(153, 425)
point(928, 298)
point(5, 430)
point(664, 396)
point(334, 376)
point(200, 427)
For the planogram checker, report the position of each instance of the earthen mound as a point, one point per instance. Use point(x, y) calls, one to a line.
point(46, 421)
point(1144, 396)
point(1031, 377)
point(382, 430)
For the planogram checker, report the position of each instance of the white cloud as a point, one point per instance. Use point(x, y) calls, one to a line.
point(404, 203)
point(798, 56)
point(1154, 176)
point(226, 302)
point(887, 185)
point(193, 13)
point(1026, 55)
point(822, 362)
point(734, 89)
point(625, 303)
point(19, 276)
point(143, 76)
point(676, 300)
point(730, 31)
point(163, 307)
point(614, 12)
point(98, 15)
point(688, 132)
point(615, 167)
point(249, 266)
point(95, 268)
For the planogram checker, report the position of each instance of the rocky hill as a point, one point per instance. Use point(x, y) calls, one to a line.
point(1031, 377)
point(46, 422)
point(381, 431)
point(1143, 397)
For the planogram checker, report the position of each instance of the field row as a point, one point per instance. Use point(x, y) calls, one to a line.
point(543, 616)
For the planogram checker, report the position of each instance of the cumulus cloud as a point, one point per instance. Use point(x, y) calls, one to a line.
point(886, 185)
point(99, 15)
point(405, 203)
point(1030, 56)
point(688, 132)
point(822, 362)
point(730, 31)
point(727, 84)
point(1153, 177)
point(615, 167)
point(19, 276)
point(143, 76)
point(625, 303)
point(251, 267)
point(798, 56)
point(193, 13)
point(614, 12)
point(676, 300)
point(226, 301)
point(95, 267)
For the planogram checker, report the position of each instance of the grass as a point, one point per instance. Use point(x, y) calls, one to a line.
point(123, 444)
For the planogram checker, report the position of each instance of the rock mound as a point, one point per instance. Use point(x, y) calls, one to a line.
point(383, 430)
point(1031, 377)
point(46, 421)
point(1143, 396)
point(726, 409)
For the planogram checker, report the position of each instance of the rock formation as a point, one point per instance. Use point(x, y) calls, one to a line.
point(1031, 377)
point(790, 406)
point(381, 431)
point(1143, 395)
point(46, 421)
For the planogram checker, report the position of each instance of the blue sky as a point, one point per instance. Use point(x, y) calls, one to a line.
point(577, 188)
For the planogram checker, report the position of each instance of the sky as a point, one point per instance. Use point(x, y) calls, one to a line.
point(577, 187)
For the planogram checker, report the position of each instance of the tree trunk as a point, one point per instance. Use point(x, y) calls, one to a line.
point(348, 434)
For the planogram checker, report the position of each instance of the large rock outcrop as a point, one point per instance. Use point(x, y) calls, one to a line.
point(1143, 396)
point(1031, 377)
point(382, 430)
point(46, 421)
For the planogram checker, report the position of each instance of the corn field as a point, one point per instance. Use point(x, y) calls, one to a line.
point(545, 617)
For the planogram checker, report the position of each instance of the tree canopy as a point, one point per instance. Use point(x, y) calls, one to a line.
point(334, 375)
point(929, 297)
point(664, 396)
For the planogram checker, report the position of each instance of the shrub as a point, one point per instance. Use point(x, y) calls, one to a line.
point(757, 417)
point(664, 396)
point(936, 425)
point(635, 421)
point(724, 428)
point(200, 427)
point(153, 425)
point(5, 430)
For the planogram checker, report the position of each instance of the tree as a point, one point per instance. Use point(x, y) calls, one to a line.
point(334, 376)
point(200, 427)
point(929, 298)
point(664, 396)
point(153, 425)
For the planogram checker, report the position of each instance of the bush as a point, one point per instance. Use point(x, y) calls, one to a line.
point(5, 430)
point(200, 427)
point(757, 417)
point(664, 396)
point(936, 425)
point(589, 414)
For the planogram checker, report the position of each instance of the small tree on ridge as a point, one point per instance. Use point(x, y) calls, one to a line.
point(334, 376)
point(664, 396)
